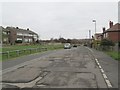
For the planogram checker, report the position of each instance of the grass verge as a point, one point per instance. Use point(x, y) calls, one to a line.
point(18, 47)
point(115, 55)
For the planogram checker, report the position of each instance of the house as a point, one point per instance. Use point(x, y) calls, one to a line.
point(113, 33)
point(98, 36)
point(11, 35)
point(5, 35)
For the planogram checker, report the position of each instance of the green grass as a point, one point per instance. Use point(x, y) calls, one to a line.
point(19, 47)
point(22, 53)
point(114, 55)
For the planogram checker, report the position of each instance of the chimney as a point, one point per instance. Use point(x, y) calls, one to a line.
point(110, 24)
point(17, 28)
point(27, 29)
point(103, 29)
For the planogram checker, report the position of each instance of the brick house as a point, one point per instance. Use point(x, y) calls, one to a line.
point(113, 33)
point(14, 34)
point(4, 35)
point(98, 36)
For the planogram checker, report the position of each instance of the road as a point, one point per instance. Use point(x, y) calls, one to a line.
point(66, 68)
point(19, 60)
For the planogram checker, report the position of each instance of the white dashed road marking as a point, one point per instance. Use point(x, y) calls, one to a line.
point(103, 73)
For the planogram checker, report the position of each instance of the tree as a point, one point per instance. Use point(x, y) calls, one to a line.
point(62, 40)
point(69, 40)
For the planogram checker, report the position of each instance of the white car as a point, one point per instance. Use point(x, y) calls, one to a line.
point(67, 46)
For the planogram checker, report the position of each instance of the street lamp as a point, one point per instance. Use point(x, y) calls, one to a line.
point(89, 34)
point(95, 25)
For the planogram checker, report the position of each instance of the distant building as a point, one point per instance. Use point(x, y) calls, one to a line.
point(113, 33)
point(11, 35)
point(5, 35)
point(98, 36)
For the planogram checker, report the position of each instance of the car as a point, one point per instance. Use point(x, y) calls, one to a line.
point(74, 45)
point(67, 46)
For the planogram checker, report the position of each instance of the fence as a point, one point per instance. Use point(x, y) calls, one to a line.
point(16, 53)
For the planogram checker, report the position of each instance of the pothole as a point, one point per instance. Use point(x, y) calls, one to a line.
point(28, 84)
point(23, 85)
point(68, 79)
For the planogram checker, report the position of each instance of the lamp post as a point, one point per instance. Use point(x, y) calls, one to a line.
point(95, 25)
point(94, 43)
point(89, 34)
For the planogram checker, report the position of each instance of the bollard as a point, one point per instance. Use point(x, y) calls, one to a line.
point(17, 51)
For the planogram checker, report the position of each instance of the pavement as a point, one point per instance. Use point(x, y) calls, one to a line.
point(66, 68)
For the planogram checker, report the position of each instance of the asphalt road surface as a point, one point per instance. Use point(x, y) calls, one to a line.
point(66, 68)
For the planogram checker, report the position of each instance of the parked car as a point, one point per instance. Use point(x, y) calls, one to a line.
point(74, 45)
point(67, 46)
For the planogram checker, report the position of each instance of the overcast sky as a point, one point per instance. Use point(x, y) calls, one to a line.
point(55, 19)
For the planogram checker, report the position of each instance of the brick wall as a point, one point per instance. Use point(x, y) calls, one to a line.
point(114, 36)
point(12, 36)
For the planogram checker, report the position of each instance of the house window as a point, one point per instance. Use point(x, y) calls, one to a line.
point(106, 35)
point(5, 39)
point(30, 40)
point(19, 34)
point(26, 40)
point(4, 32)
point(30, 35)
point(19, 38)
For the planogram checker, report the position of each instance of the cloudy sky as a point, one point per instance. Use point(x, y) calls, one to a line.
point(55, 19)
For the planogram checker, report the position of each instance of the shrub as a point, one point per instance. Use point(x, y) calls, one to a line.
point(119, 43)
point(106, 42)
point(106, 45)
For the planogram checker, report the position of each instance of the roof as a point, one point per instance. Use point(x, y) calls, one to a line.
point(22, 30)
point(98, 33)
point(115, 27)
point(3, 29)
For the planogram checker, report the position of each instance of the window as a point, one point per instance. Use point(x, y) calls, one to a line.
point(4, 32)
point(106, 35)
point(19, 34)
point(19, 38)
point(26, 40)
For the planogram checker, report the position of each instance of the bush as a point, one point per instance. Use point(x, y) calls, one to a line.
point(119, 43)
point(107, 45)
point(106, 42)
